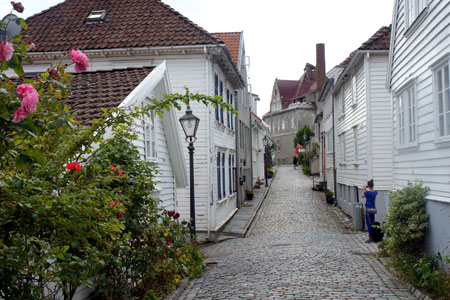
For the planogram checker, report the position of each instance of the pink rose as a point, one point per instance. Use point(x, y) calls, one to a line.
point(29, 96)
point(120, 173)
point(19, 115)
point(31, 46)
point(113, 168)
point(6, 51)
point(80, 59)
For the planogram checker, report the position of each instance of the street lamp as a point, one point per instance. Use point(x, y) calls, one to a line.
point(189, 123)
point(266, 143)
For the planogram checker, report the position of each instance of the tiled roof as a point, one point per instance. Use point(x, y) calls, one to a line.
point(92, 91)
point(232, 41)
point(305, 86)
point(378, 41)
point(287, 90)
point(128, 23)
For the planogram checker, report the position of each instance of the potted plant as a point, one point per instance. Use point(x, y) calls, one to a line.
point(329, 197)
point(249, 194)
point(270, 172)
point(257, 184)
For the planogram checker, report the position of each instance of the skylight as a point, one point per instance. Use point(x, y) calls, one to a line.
point(96, 16)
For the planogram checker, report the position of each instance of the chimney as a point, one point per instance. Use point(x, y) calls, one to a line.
point(320, 65)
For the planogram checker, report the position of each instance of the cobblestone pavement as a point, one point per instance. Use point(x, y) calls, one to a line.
point(295, 249)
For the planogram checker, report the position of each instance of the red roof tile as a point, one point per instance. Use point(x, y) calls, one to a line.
point(92, 91)
point(232, 41)
point(287, 90)
point(128, 23)
point(379, 41)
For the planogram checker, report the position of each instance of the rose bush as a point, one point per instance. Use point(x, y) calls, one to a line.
point(77, 207)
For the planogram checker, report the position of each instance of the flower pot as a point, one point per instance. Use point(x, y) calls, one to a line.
point(249, 196)
point(269, 175)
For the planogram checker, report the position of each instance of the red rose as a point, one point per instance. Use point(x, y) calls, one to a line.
point(119, 214)
point(176, 216)
point(113, 168)
point(171, 213)
point(120, 173)
point(74, 167)
point(117, 202)
point(168, 242)
point(111, 203)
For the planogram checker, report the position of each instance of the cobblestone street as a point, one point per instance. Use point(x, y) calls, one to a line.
point(295, 249)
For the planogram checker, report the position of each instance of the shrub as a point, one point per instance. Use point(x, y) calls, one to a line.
point(407, 220)
point(306, 170)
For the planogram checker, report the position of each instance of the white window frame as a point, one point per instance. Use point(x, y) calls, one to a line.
point(413, 9)
point(441, 65)
point(354, 86)
point(355, 144)
point(329, 142)
point(150, 137)
point(282, 124)
point(406, 116)
point(342, 103)
point(292, 122)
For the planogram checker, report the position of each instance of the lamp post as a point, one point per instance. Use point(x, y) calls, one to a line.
point(189, 123)
point(266, 143)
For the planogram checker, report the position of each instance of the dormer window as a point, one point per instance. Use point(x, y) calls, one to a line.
point(96, 16)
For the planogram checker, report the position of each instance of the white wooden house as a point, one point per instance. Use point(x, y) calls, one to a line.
point(363, 134)
point(324, 132)
point(120, 38)
point(419, 80)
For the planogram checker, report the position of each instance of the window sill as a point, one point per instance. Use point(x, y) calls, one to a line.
point(220, 126)
point(226, 198)
point(408, 147)
point(416, 23)
point(442, 142)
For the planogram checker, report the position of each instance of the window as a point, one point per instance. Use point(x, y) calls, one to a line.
point(406, 116)
point(343, 101)
point(230, 170)
point(221, 95)
point(412, 10)
point(223, 176)
point(219, 182)
point(342, 147)
point(216, 93)
point(96, 16)
point(292, 122)
point(355, 144)
point(441, 77)
point(228, 111)
point(354, 90)
point(150, 136)
point(282, 125)
point(234, 173)
point(232, 117)
point(329, 141)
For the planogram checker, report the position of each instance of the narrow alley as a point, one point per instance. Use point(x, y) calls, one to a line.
point(295, 249)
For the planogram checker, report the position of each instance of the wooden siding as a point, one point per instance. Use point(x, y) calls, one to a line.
point(412, 57)
point(380, 118)
point(353, 172)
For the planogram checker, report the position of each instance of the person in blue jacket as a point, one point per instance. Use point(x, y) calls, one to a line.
point(370, 194)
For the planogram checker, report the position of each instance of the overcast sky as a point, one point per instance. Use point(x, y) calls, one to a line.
point(280, 36)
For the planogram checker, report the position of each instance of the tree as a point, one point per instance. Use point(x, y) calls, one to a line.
point(303, 136)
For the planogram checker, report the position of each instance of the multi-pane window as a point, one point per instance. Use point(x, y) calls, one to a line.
point(233, 179)
point(216, 93)
point(231, 115)
point(221, 94)
point(292, 122)
point(150, 136)
point(230, 170)
point(282, 125)
point(407, 116)
point(412, 9)
point(442, 94)
point(219, 182)
point(228, 111)
point(355, 144)
point(354, 90)
point(342, 96)
point(223, 176)
point(329, 141)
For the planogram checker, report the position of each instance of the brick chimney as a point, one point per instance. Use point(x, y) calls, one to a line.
point(320, 65)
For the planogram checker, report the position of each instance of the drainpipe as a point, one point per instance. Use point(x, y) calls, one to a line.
point(251, 141)
point(334, 144)
point(237, 160)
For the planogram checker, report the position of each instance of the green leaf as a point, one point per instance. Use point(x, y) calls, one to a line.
point(23, 161)
point(23, 24)
point(19, 70)
point(60, 122)
point(13, 62)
